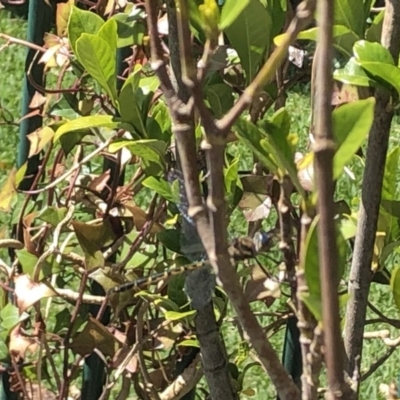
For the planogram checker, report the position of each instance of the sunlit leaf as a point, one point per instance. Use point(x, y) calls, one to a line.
point(29, 292)
point(99, 59)
point(350, 13)
point(230, 11)
point(395, 286)
point(351, 125)
point(177, 316)
point(365, 51)
point(352, 74)
point(39, 139)
point(160, 186)
point(250, 35)
point(390, 177)
point(92, 121)
point(8, 191)
point(80, 22)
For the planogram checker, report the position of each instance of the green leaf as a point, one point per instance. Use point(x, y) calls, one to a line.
point(130, 31)
point(272, 148)
point(100, 61)
point(10, 316)
point(92, 237)
point(178, 316)
point(343, 38)
point(160, 186)
point(27, 260)
point(189, 343)
point(311, 263)
point(350, 13)
point(148, 149)
point(53, 215)
point(231, 176)
point(352, 74)
point(381, 72)
point(395, 286)
point(250, 36)
point(108, 32)
point(81, 21)
point(373, 52)
point(171, 239)
point(129, 103)
point(390, 178)
point(374, 32)
point(220, 98)
point(351, 125)
point(231, 11)
point(92, 121)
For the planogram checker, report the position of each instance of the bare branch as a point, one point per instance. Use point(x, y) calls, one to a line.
point(360, 273)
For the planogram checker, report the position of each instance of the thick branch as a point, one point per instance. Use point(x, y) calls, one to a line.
point(360, 273)
point(324, 153)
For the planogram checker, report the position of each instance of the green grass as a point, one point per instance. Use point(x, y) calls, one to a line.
point(12, 66)
point(12, 61)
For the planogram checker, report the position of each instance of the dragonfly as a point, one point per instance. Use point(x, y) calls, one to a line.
point(200, 283)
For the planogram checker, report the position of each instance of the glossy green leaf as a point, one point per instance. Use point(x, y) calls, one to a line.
point(270, 147)
point(231, 176)
point(343, 38)
point(395, 286)
point(352, 74)
point(11, 316)
point(350, 13)
point(148, 149)
point(130, 31)
point(27, 260)
point(129, 103)
point(53, 215)
point(189, 343)
point(160, 186)
point(92, 121)
point(171, 239)
point(250, 36)
point(374, 32)
point(311, 263)
point(220, 98)
point(108, 32)
point(390, 177)
point(178, 316)
point(230, 11)
point(99, 59)
point(351, 125)
point(387, 73)
point(372, 52)
point(81, 21)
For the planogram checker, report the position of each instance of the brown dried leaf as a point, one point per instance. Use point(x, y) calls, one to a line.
point(100, 182)
point(39, 139)
point(120, 357)
point(29, 292)
point(19, 343)
point(261, 287)
point(37, 100)
point(260, 212)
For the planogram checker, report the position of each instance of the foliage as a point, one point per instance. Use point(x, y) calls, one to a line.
point(79, 224)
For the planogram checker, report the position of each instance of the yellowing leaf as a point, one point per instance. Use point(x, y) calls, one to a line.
point(39, 139)
point(8, 191)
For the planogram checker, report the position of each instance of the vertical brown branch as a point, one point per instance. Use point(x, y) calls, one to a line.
point(324, 152)
point(360, 273)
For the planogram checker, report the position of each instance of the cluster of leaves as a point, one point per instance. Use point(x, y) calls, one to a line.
point(80, 224)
